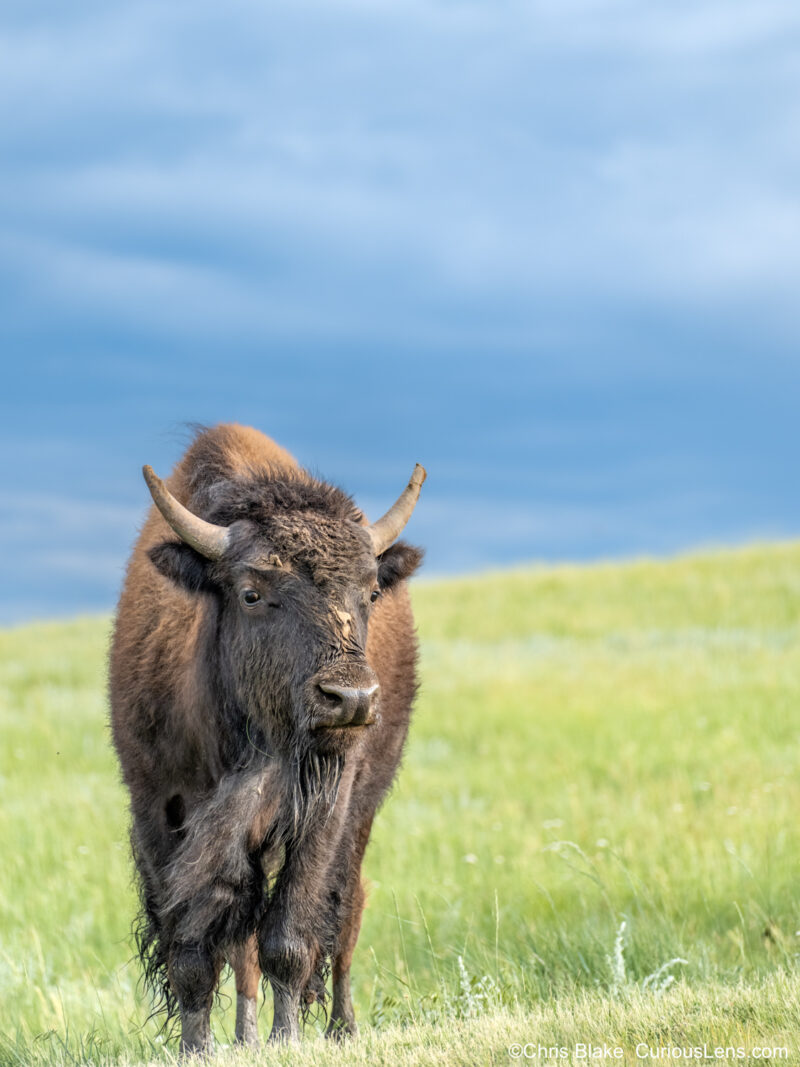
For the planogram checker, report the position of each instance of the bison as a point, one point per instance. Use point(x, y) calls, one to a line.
point(262, 674)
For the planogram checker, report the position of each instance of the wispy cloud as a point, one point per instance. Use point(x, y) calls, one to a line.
point(330, 168)
point(61, 554)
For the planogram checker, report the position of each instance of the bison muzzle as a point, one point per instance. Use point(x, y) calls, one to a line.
point(261, 681)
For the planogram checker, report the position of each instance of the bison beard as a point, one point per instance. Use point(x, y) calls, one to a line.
point(256, 746)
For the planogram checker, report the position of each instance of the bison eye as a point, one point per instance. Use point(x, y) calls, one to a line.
point(250, 597)
point(374, 595)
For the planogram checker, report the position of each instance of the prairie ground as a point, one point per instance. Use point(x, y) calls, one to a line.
point(594, 839)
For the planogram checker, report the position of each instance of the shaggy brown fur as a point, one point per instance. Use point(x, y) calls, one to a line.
point(250, 812)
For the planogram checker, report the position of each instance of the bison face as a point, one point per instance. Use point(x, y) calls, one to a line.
point(296, 614)
point(293, 598)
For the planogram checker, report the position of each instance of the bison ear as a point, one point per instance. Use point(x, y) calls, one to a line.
point(399, 561)
point(182, 565)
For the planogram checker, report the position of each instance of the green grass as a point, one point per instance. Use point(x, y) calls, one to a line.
point(591, 747)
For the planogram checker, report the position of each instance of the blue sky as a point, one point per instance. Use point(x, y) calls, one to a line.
point(551, 250)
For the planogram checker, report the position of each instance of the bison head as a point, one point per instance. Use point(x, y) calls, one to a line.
point(294, 572)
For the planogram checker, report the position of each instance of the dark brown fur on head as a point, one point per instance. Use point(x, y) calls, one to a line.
point(297, 546)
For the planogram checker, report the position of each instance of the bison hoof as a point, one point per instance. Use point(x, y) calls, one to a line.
point(196, 1039)
point(341, 1029)
point(284, 1035)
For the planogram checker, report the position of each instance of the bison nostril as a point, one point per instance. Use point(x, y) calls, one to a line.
point(331, 695)
point(349, 706)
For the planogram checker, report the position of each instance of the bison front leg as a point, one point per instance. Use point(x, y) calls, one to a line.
point(193, 975)
point(213, 892)
point(287, 965)
point(289, 949)
point(297, 933)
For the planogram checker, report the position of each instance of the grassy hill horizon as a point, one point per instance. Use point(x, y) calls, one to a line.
point(593, 837)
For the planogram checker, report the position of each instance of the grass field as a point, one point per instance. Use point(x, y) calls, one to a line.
point(595, 837)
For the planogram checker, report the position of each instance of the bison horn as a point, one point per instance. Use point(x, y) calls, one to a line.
point(387, 529)
point(205, 537)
